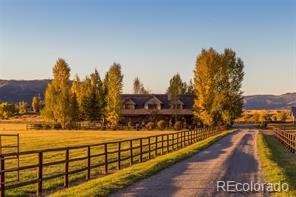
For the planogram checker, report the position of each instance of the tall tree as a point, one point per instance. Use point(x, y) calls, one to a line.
point(230, 96)
point(36, 103)
point(139, 87)
point(176, 87)
point(113, 84)
point(217, 86)
point(93, 97)
point(58, 95)
point(74, 108)
point(190, 88)
point(77, 88)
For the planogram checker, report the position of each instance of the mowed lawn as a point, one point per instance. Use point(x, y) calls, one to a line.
point(45, 139)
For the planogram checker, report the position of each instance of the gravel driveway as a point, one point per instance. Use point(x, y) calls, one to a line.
point(233, 158)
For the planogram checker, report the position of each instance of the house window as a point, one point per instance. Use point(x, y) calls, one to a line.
point(152, 106)
point(129, 106)
point(177, 106)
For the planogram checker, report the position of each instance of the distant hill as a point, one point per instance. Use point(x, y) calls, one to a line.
point(24, 90)
point(283, 101)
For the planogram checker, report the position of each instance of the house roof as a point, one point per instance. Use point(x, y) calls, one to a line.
point(141, 99)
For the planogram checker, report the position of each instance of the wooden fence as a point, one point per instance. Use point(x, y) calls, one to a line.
point(286, 138)
point(113, 156)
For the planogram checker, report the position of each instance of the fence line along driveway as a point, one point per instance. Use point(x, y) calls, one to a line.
point(233, 158)
point(102, 157)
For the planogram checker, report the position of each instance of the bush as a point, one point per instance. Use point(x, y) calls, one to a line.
point(7, 110)
point(150, 125)
point(161, 124)
point(129, 125)
point(178, 125)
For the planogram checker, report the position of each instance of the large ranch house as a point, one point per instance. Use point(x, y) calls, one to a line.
point(142, 108)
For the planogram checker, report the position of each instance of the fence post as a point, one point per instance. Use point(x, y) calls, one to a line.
point(168, 148)
point(66, 178)
point(162, 148)
point(39, 173)
point(131, 153)
point(178, 140)
point(181, 139)
point(156, 145)
point(2, 176)
point(88, 163)
point(119, 154)
point(106, 157)
point(141, 150)
point(149, 148)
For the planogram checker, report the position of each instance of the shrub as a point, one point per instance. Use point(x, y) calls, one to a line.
point(161, 124)
point(150, 125)
point(178, 125)
point(129, 125)
point(7, 110)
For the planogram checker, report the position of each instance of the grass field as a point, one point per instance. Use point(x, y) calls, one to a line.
point(277, 163)
point(120, 179)
point(35, 140)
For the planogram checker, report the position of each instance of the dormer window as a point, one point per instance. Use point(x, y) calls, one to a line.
point(153, 103)
point(152, 106)
point(176, 106)
point(129, 104)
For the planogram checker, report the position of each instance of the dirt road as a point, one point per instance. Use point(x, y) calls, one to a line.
point(233, 158)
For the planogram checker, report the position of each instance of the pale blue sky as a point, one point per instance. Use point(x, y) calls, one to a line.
point(150, 39)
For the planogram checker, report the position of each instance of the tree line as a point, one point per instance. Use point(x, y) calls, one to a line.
point(216, 86)
point(91, 99)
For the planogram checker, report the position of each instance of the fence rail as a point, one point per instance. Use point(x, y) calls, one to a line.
point(113, 156)
point(286, 138)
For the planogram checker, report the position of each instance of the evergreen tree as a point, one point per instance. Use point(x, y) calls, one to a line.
point(190, 88)
point(74, 108)
point(139, 87)
point(113, 84)
point(176, 87)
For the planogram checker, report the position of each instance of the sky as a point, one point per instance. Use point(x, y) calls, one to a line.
point(151, 39)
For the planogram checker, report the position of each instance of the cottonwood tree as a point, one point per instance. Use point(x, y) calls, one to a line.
point(229, 99)
point(58, 95)
point(113, 85)
point(206, 69)
point(22, 107)
point(36, 103)
point(217, 86)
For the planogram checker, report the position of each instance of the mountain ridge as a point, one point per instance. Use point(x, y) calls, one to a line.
point(24, 90)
